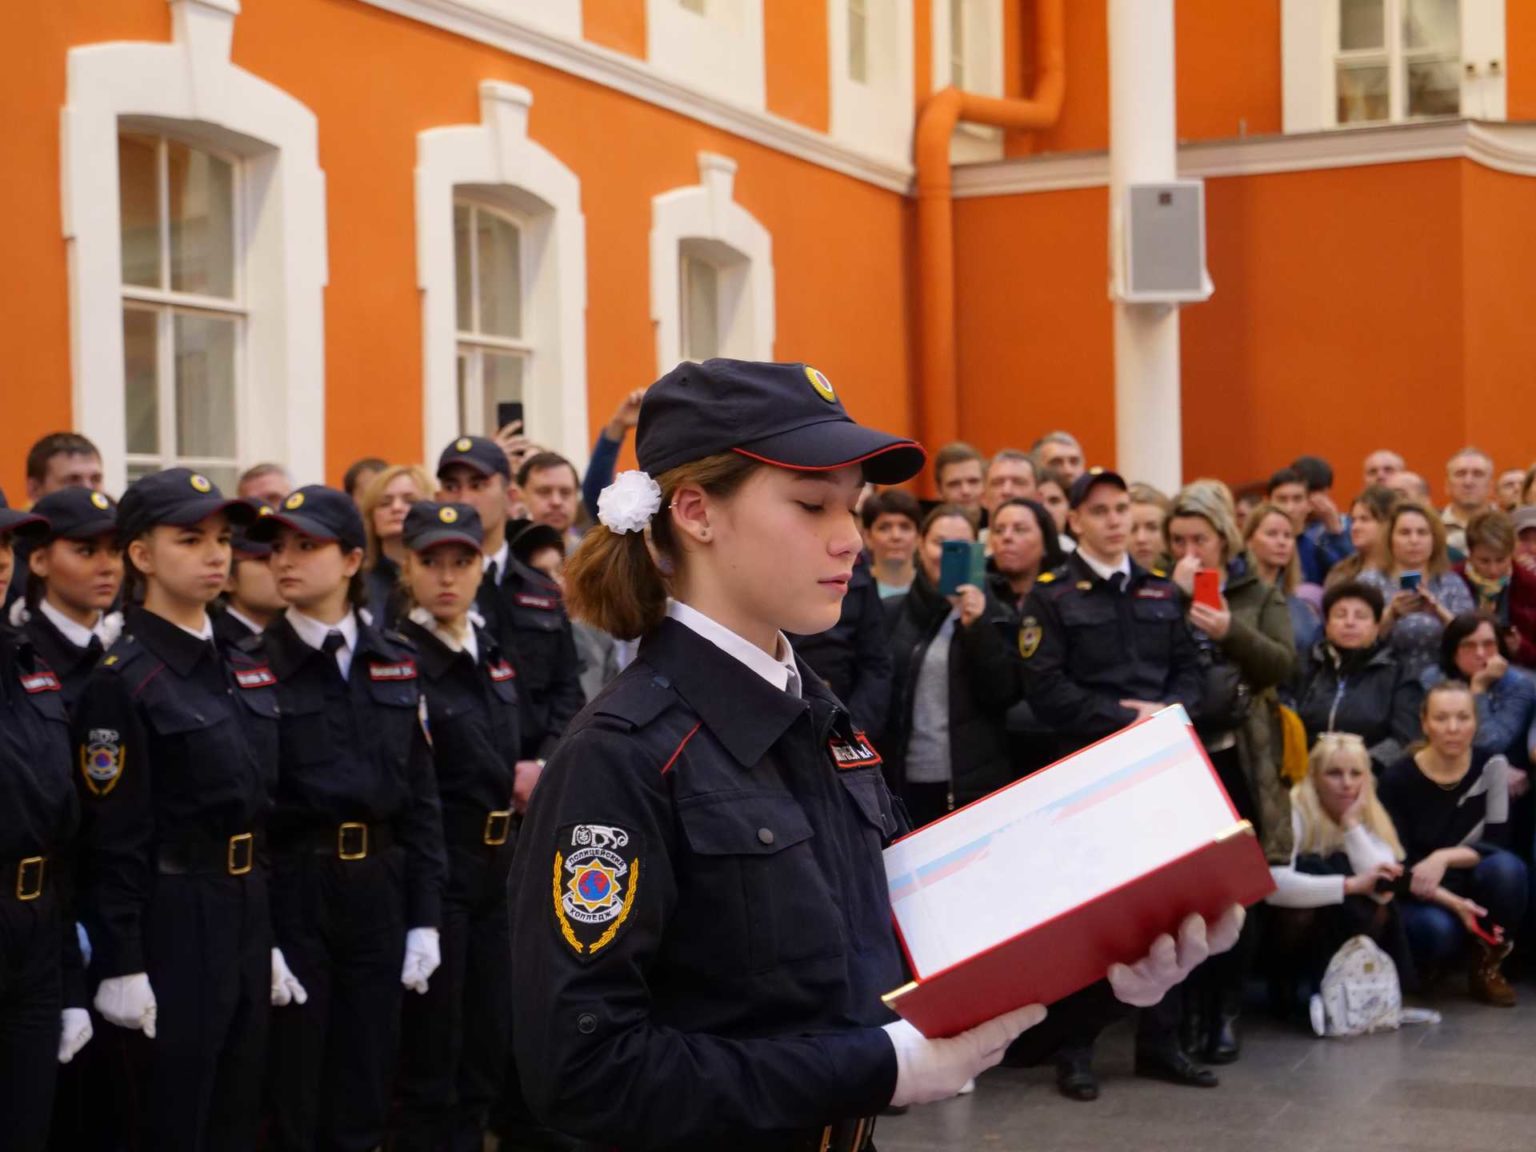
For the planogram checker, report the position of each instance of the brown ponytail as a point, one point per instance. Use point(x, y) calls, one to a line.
point(612, 581)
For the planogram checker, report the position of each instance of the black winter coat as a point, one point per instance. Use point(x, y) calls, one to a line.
point(984, 682)
point(1367, 692)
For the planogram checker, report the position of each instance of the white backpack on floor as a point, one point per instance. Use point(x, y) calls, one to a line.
point(1360, 992)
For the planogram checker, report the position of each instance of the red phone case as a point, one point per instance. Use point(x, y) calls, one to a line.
point(1208, 588)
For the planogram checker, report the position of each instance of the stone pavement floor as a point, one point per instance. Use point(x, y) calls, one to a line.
point(1467, 1084)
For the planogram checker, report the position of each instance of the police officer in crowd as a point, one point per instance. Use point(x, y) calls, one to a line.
point(704, 932)
point(1105, 644)
point(523, 609)
point(357, 838)
point(177, 749)
point(43, 1020)
point(251, 600)
point(454, 1054)
point(55, 461)
point(74, 575)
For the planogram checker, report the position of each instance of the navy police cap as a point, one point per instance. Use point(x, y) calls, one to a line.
point(315, 511)
point(177, 496)
point(483, 455)
point(429, 524)
point(19, 522)
point(1090, 480)
point(78, 513)
point(782, 414)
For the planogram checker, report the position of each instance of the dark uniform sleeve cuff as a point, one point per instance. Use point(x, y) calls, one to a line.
point(866, 1063)
point(425, 911)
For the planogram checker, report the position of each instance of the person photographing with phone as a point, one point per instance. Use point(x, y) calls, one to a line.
point(1415, 579)
point(704, 930)
point(955, 675)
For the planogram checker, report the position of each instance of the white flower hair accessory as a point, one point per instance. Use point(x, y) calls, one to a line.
point(628, 504)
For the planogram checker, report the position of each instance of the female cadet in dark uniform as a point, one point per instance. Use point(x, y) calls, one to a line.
point(176, 746)
point(73, 580)
point(454, 1054)
point(40, 981)
point(703, 926)
point(357, 838)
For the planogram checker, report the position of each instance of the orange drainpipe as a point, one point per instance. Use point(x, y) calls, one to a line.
point(938, 394)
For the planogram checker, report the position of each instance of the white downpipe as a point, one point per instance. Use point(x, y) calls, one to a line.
point(1142, 149)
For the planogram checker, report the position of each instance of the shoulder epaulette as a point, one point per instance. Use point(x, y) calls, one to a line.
point(1045, 578)
point(126, 651)
point(1159, 573)
point(253, 645)
point(636, 700)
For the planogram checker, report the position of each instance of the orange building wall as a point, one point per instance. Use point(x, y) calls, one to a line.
point(616, 24)
point(797, 73)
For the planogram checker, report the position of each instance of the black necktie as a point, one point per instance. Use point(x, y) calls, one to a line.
point(1117, 581)
point(93, 649)
point(492, 573)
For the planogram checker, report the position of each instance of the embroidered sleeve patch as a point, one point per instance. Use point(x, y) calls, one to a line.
point(596, 877)
point(1030, 635)
point(101, 760)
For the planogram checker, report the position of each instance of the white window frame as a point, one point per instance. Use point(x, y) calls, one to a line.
point(983, 23)
point(471, 346)
point(719, 50)
point(189, 89)
point(877, 112)
point(165, 304)
point(705, 221)
point(496, 164)
point(1309, 37)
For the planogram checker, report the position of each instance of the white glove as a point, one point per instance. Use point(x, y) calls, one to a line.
point(421, 958)
point(75, 1033)
point(286, 988)
point(128, 1002)
point(929, 1070)
point(1147, 981)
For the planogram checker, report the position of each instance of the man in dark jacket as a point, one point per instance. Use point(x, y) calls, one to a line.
point(853, 656)
point(1104, 644)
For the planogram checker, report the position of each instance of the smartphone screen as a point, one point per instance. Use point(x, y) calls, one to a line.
point(1409, 581)
point(977, 575)
point(954, 565)
point(507, 411)
point(1208, 588)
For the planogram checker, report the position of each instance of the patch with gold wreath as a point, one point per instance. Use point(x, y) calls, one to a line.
point(1029, 637)
point(595, 880)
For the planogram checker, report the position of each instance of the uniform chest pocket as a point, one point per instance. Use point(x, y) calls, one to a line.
point(304, 731)
point(396, 709)
point(754, 889)
point(1156, 621)
point(49, 706)
point(1087, 612)
point(870, 797)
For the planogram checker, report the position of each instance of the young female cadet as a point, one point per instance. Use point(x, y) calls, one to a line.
point(74, 577)
point(176, 746)
point(704, 931)
point(454, 1054)
point(40, 982)
point(357, 837)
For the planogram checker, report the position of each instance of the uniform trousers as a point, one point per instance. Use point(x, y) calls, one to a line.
point(31, 998)
point(456, 1035)
point(341, 926)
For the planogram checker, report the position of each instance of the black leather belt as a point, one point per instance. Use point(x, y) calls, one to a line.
point(30, 874)
point(475, 828)
point(233, 856)
point(349, 840)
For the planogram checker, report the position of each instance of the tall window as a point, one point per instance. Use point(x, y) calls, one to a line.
point(183, 315)
point(957, 44)
point(1398, 60)
point(700, 311)
point(494, 353)
point(858, 41)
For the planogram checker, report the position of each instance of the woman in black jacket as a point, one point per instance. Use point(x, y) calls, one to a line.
point(1351, 682)
point(956, 674)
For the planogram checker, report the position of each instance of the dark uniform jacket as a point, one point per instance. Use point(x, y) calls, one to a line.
point(1366, 692)
point(1086, 647)
point(177, 746)
point(854, 655)
point(525, 613)
point(72, 663)
point(228, 632)
point(39, 812)
point(357, 752)
point(983, 684)
point(472, 720)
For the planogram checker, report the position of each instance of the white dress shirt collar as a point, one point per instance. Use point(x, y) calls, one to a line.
point(466, 643)
point(779, 671)
point(76, 634)
point(498, 558)
point(244, 619)
point(313, 633)
point(1103, 571)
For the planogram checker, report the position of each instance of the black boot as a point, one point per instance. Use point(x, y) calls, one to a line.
point(1074, 1074)
point(1168, 1062)
point(1222, 1045)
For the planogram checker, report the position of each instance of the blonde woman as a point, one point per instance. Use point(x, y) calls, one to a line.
point(385, 500)
point(1270, 539)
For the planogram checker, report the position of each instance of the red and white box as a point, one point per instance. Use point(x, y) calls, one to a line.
point(1031, 893)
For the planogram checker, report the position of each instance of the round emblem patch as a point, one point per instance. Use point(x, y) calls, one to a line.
point(1030, 634)
point(200, 483)
point(822, 385)
point(293, 501)
point(463, 445)
point(448, 515)
point(596, 875)
point(100, 501)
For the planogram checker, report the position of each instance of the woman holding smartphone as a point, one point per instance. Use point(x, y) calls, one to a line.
point(1421, 591)
point(703, 925)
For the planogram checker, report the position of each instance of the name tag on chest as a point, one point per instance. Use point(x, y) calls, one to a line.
point(36, 682)
point(542, 603)
point(405, 670)
point(501, 671)
point(855, 753)
point(255, 677)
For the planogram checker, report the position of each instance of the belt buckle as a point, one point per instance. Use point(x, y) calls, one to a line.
point(361, 832)
point(242, 853)
point(33, 867)
point(498, 826)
